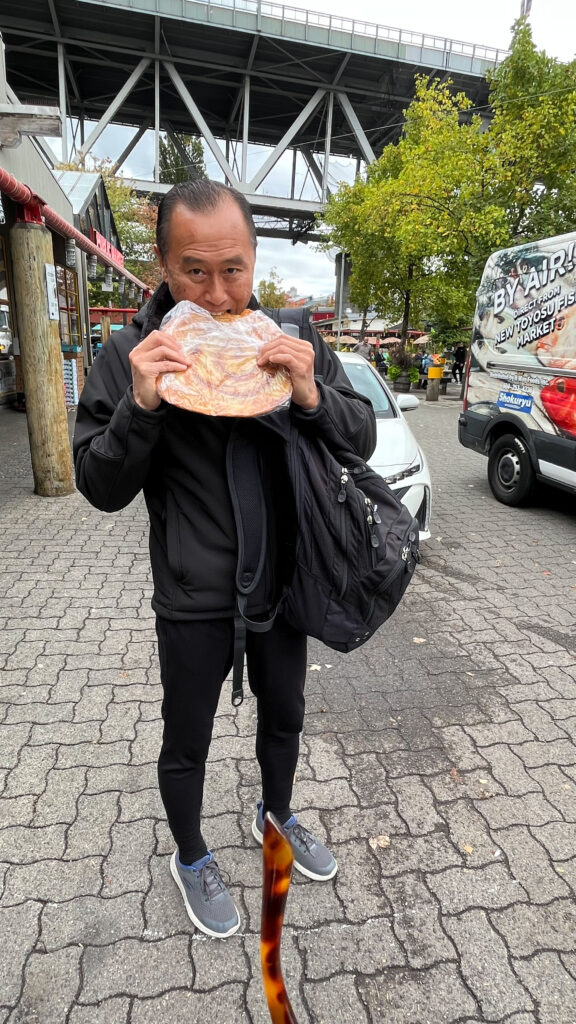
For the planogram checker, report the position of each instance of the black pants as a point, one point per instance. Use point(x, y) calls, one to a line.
point(195, 658)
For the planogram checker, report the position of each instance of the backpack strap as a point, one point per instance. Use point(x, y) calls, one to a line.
point(244, 481)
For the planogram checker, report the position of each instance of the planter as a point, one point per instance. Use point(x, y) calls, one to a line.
point(402, 383)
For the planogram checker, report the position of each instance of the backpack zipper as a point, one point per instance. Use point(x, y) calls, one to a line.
point(342, 496)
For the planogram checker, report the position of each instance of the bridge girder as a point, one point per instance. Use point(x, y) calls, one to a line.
point(239, 87)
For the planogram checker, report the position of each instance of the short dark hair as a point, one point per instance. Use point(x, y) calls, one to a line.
point(200, 196)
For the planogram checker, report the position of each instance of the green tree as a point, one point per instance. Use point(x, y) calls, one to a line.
point(271, 292)
point(429, 211)
point(174, 168)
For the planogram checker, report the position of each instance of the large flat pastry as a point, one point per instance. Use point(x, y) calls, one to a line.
point(224, 378)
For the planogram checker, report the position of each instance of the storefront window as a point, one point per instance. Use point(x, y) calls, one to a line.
point(67, 287)
point(5, 313)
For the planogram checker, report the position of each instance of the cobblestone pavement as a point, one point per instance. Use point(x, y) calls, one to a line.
point(439, 762)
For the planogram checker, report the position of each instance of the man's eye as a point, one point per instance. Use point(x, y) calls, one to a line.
point(195, 272)
point(231, 271)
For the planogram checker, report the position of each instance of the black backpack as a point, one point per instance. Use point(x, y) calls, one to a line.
point(356, 547)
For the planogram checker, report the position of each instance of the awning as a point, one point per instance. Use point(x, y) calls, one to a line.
point(24, 195)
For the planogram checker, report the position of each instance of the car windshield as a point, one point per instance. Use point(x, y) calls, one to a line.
point(366, 383)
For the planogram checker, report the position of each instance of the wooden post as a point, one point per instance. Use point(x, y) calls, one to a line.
point(105, 325)
point(39, 337)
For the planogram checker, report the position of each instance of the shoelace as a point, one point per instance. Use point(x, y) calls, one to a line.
point(303, 835)
point(211, 880)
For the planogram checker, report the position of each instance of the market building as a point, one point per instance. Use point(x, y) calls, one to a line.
point(44, 267)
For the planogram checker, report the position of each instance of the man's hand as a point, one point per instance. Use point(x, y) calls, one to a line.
point(157, 354)
point(297, 355)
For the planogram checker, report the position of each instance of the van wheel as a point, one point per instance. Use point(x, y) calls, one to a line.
point(510, 472)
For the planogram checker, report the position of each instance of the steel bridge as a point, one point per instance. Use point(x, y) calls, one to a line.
point(239, 73)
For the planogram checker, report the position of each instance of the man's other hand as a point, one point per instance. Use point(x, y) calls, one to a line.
point(297, 355)
point(158, 353)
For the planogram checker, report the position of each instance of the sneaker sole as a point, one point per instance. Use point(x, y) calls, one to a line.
point(259, 837)
point(195, 921)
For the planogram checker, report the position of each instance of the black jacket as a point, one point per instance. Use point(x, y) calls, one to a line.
point(178, 458)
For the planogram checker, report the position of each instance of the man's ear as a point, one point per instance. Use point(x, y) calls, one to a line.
point(161, 262)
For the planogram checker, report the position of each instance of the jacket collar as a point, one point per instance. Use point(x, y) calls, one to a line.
point(150, 317)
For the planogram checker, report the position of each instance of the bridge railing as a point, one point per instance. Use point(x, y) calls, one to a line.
point(298, 24)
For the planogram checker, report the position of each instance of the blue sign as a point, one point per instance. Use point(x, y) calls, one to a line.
point(515, 402)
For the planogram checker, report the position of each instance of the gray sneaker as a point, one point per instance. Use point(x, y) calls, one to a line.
point(207, 900)
point(311, 857)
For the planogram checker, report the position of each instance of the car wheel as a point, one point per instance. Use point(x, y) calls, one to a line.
point(510, 472)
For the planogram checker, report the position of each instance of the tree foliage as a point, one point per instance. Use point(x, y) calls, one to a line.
point(421, 223)
point(173, 168)
point(271, 292)
point(135, 220)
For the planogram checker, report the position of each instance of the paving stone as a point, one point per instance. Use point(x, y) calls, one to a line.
point(19, 927)
point(362, 822)
point(415, 805)
point(509, 769)
point(54, 880)
point(65, 733)
point(559, 838)
point(93, 703)
point(13, 739)
point(146, 803)
point(89, 834)
point(122, 778)
point(142, 969)
point(37, 713)
point(484, 964)
point(501, 732)
point(92, 921)
point(340, 991)
point(535, 755)
point(416, 921)
point(93, 755)
point(18, 810)
point(126, 866)
point(190, 1007)
point(416, 762)
point(358, 883)
point(460, 889)
point(527, 929)
point(111, 1011)
point(539, 721)
point(50, 984)
point(559, 788)
point(163, 908)
point(417, 853)
point(58, 802)
point(146, 747)
point(453, 785)
point(560, 708)
point(373, 741)
point(325, 759)
point(433, 996)
point(21, 845)
point(469, 833)
point(215, 962)
point(532, 809)
point(553, 989)
point(336, 793)
point(364, 948)
point(530, 865)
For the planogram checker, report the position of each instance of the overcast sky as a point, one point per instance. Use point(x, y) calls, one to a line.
point(489, 22)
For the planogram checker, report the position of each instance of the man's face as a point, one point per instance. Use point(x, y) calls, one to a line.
point(210, 258)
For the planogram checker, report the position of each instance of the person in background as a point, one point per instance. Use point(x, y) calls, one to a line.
point(364, 349)
point(460, 354)
point(380, 361)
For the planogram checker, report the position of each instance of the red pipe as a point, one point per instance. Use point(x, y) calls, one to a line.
point(24, 195)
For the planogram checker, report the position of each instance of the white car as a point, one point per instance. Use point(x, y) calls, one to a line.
point(397, 456)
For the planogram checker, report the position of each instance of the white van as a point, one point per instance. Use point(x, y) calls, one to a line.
point(520, 397)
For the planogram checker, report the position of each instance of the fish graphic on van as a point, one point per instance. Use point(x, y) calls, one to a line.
point(559, 399)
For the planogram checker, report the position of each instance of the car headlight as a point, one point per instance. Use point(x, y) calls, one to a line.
point(415, 467)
